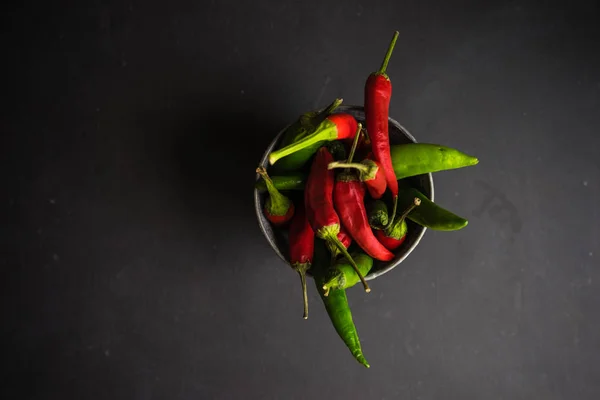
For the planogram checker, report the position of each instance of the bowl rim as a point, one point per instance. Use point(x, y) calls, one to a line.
point(264, 161)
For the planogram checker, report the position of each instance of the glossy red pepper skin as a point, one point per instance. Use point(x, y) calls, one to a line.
point(390, 243)
point(280, 220)
point(349, 196)
point(302, 247)
point(318, 201)
point(378, 184)
point(378, 92)
point(318, 194)
point(302, 239)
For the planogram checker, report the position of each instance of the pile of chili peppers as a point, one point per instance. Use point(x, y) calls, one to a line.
point(328, 191)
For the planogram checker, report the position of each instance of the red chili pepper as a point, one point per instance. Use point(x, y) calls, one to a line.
point(378, 92)
point(349, 197)
point(396, 235)
point(302, 246)
point(369, 172)
point(335, 126)
point(318, 200)
point(349, 201)
point(278, 208)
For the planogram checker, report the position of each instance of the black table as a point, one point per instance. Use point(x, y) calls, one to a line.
point(133, 264)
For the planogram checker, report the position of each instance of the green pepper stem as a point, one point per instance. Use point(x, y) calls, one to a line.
point(325, 133)
point(391, 217)
point(394, 225)
point(358, 166)
point(354, 143)
point(388, 55)
point(304, 293)
point(301, 269)
point(330, 237)
point(332, 283)
point(277, 199)
point(331, 108)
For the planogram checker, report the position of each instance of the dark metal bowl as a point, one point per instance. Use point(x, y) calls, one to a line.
point(424, 183)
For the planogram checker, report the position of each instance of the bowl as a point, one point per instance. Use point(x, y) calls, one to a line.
point(277, 238)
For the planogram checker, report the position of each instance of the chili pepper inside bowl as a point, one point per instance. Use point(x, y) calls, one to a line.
point(277, 237)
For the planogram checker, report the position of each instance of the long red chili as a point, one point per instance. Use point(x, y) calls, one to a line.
point(378, 92)
point(370, 172)
point(349, 202)
point(335, 126)
point(302, 247)
point(318, 200)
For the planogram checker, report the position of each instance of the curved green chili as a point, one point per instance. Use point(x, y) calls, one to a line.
point(339, 312)
point(421, 158)
point(429, 214)
point(336, 304)
point(342, 275)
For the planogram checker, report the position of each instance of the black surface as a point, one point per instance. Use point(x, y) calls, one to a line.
point(133, 267)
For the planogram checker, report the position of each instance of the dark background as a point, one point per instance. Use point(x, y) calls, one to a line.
point(133, 266)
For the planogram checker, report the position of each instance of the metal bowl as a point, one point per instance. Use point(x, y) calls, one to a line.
point(277, 238)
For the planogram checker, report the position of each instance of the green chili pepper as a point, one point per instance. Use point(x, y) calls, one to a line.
point(343, 276)
point(378, 214)
point(429, 214)
point(336, 304)
point(420, 158)
point(408, 159)
point(284, 182)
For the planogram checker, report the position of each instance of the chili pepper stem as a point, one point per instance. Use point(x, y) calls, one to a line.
point(416, 203)
point(328, 285)
point(358, 166)
point(330, 236)
point(276, 198)
point(391, 217)
point(328, 133)
point(301, 268)
point(354, 143)
point(331, 108)
point(388, 55)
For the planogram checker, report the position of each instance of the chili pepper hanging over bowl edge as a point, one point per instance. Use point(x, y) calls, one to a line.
point(318, 200)
point(302, 246)
point(278, 209)
point(338, 309)
point(335, 126)
point(378, 93)
point(342, 276)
